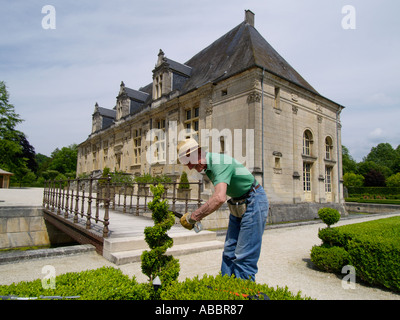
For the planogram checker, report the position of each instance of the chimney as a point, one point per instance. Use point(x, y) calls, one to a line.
point(249, 17)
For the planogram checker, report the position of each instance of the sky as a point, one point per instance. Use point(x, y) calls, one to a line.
point(57, 64)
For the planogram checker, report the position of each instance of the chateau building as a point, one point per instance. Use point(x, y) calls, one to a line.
point(237, 96)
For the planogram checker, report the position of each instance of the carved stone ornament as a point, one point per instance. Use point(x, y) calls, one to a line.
point(254, 97)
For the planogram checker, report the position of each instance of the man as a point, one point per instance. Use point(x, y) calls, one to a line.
point(248, 206)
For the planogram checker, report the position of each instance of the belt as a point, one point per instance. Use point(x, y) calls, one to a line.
point(247, 194)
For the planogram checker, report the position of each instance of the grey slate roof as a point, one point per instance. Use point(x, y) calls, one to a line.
point(106, 112)
point(240, 49)
point(136, 95)
point(179, 67)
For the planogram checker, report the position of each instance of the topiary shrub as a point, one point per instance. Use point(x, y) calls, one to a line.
point(184, 181)
point(329, 216)
point(332, 236)
point(330, 259)
point(155, 262)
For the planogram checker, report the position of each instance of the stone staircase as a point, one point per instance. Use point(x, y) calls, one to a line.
point(124, 250)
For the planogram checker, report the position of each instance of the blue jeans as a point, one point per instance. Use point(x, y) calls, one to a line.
point(244, 237)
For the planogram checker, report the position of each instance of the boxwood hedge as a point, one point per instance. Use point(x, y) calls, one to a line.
point(373, 248)
point(226, 288)
point(101, 284)
point(108, 283)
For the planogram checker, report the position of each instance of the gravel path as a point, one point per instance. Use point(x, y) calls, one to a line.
point(284, 261)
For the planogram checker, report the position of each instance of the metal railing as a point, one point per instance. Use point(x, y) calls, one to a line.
point(90, 200)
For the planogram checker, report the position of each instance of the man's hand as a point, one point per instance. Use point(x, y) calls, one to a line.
point(187, 222)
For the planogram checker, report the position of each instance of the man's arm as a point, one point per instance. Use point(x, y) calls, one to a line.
point(214, 203)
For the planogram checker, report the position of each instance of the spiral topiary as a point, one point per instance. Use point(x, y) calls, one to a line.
point(155, 262)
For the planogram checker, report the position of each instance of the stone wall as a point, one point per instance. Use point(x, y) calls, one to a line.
point(25, 227)
point(355, 207)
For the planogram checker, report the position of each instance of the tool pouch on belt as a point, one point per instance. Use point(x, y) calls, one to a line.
point(237, 207)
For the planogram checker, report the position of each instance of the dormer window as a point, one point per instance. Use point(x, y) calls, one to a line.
point(158, 86)
point(168, 76)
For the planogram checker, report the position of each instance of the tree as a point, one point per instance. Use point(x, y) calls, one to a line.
point(396, 166)
point(393, 181)
point(351, 179)
point(10, 147)
point(383, 155)
point(348, 163)
point(374, 179)
point(64, 160)
point(365, 167)
point(28, 152)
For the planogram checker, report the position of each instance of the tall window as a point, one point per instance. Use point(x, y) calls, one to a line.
point(328, 148)
point(307, 181)
point(158, 86)
point(306, 177)
point(277, 93)
point(137, 144)
point(307, 142)
point(159, 142)
point(192, 122)
point(328, 179)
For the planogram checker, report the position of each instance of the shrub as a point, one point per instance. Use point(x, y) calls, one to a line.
point(385, 191)
point(184, 181)
point(101, 284)
point(146, 178)
point(108, 283)
point(351, 179)
point(331, 236)
point(376, 261)
point(155, 262)
point(225, 288)
point(329, 216)
point(394, 180)
point(330, 259)
point(372, 248)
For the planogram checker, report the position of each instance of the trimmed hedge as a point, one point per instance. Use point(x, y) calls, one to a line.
point(225, 288)
point(104, 283)
point(376, 201)
point(373, 249)
point(108, 283)
point(331, 259)
point(373, 190)
point(329, 216)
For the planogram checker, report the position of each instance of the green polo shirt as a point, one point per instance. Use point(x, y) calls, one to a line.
point(223, 168)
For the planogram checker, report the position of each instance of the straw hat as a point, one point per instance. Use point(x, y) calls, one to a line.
point(186, 147)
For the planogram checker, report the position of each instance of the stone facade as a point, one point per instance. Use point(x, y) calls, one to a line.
point(25, 227)
point(237, 96)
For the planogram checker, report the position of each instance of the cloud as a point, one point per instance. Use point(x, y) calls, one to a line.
point(377, 133)
point(56, 76)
